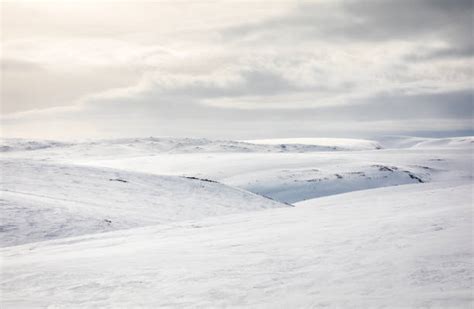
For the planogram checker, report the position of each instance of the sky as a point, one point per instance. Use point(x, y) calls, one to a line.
point(236, 69)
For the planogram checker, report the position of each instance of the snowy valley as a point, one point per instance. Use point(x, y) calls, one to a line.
point(282, 223)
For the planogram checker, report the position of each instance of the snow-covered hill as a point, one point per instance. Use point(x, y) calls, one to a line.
point(401, 247)
point(143, 223)
point(43, 201)
point(424, 142)
point(339, 143)
point(126, 147)
point(285, 174)
point(292, 177)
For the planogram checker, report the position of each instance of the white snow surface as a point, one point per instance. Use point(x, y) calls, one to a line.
point(125, 147)
point(293, 177)
point(423, 142)
point(342, 143)
point(142, 223)
point(401, 247)
point(43, 201)
point(289, 175)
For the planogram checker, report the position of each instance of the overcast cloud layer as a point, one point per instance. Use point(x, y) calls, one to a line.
point(237, 69)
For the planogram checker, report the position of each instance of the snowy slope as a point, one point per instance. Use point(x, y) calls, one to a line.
point(120, 234)
point(294, 185)
point(44, 200)
point(401, 247)
point(292, 177)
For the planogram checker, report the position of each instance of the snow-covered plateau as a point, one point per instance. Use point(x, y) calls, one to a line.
point(276, 223)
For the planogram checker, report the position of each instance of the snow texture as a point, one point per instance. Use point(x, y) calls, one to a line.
point(195, 223)
point(43, 201)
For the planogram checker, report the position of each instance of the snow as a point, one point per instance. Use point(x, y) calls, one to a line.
point(292, 177)
point(342, 143)
point(175, 222)
point(18, 144)
point(385, 248)
point(149, 146)
point(423, 142)
point(43, 201)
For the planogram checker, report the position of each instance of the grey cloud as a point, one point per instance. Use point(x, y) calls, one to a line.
point(153, 113)
point(461, 52)
point(386, 106)
point(409, 18)
point(184, 110)
point(367, 21)
point(255, 81)
point(245, 82)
